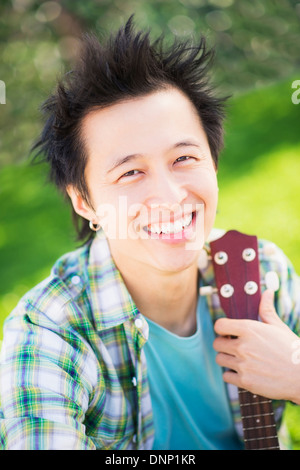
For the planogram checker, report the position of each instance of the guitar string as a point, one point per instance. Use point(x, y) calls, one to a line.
point(249, 397)
point(235, 310)
point(256, 405)
point(263, 416)
point(232, 298)
point(249, 315)
point(235, 314)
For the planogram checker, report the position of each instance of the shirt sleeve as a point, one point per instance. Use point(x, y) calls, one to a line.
point(287, 298)
point(44, 387)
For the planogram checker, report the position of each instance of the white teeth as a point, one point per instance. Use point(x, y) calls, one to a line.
point(175, 227)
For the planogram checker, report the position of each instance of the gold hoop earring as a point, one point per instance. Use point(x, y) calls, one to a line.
point(94, 227)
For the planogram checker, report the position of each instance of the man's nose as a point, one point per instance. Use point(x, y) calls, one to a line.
point(166, 190)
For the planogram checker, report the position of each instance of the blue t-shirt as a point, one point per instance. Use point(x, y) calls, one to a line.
point(189, 398)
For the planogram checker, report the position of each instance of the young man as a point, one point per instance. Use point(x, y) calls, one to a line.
point(116, 350)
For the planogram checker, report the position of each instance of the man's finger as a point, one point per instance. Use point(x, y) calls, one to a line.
point(267, 310)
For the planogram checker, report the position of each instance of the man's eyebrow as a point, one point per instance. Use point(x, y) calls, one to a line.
point(187, 143)
point(134, 156)
point(123, 160)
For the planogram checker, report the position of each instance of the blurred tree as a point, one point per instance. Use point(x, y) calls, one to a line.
point(257, 42)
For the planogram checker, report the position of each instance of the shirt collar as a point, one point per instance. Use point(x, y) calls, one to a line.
point(111, 302)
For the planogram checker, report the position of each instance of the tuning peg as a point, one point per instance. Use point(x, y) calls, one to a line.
point(271, 281)
point(268, 249)
point(207, 290)
point(203, 259)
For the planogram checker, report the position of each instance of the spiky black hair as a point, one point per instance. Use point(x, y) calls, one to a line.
point(126, 65)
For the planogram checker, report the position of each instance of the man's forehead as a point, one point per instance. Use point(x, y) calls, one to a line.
point(163, 120)
point(163, 99)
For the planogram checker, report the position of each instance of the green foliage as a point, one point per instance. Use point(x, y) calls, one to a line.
point(35, 228)
point(260, 167)
point(259, 193)
point(258, 44)
point(292, 420)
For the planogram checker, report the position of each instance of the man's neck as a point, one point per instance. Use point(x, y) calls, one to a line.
point(169, 299)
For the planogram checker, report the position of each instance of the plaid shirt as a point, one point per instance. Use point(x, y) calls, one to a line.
point(73, 369)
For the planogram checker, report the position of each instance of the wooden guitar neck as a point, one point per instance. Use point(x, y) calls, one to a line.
point(258, 421)
point(235, 259)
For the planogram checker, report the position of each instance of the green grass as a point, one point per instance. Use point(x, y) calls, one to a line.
point(265, 200)
point(35, 228)
point(260, 168)
point(259, 194)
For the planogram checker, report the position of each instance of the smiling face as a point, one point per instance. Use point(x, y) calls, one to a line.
point(151, 179)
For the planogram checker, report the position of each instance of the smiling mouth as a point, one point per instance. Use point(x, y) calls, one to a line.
point(171, 228)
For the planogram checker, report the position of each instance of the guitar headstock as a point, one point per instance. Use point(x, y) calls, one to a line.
point(235, 258)
point(236, 267)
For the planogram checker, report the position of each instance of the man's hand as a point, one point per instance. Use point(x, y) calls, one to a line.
point(263, 357)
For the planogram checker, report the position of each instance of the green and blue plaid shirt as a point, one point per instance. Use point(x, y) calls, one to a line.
point(73, 369)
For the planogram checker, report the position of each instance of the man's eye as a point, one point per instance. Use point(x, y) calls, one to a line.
point(183, 158)
point(130, 173)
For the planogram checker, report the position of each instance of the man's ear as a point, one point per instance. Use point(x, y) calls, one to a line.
point(80, 205)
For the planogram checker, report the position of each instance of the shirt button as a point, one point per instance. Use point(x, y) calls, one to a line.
point(76, 280)
point(134, 381)
point(138, 323)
